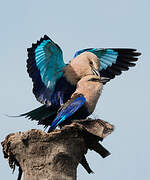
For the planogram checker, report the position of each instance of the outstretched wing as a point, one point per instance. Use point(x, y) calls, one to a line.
point(44, 65)
point(68, 109)
point(112, 60)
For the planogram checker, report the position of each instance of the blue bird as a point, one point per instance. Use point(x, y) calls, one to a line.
point(55, 84)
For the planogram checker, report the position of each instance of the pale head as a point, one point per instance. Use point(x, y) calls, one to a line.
point(88, 63)
point(84, 64)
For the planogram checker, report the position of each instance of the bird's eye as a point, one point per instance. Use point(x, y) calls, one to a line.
point(91, 63)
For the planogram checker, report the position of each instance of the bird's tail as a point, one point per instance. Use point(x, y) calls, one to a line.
point(44, 115)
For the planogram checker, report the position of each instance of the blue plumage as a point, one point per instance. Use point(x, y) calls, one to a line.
point(62, 92)
point(45, 66)
point(66, 111)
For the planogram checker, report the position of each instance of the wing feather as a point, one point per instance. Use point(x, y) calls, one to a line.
point(44, 65)
point(68, 109)
point(113, 60)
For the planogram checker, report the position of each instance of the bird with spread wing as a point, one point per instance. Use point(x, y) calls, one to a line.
point(71, 91)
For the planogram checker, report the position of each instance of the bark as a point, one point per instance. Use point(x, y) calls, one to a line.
point(55, 155)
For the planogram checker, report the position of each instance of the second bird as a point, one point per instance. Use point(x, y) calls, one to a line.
point(82, 102)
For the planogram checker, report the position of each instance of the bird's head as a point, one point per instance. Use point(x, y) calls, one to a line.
point(89, 63)
point(94, 64)
point(84, 64)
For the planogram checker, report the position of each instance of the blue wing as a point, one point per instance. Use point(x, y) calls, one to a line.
point(44, 65)
point(67, 110)
point(112, 60)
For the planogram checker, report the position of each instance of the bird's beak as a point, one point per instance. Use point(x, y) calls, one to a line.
point(104, 80)
point(95, 72)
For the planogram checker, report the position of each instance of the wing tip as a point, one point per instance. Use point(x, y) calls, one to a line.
point(34, 45)
point(130, 51)
point(46, 37)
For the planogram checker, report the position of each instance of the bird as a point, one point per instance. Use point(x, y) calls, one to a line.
point(82, 102)
point(56, 84)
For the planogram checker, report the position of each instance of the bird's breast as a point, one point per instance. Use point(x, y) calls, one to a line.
point(92, 94)
point(92, 99)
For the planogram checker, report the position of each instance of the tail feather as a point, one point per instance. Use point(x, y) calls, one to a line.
point(44, 115)
point(38, 113)
point(47, 121)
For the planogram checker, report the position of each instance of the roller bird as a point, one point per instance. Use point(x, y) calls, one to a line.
point(59, 86)
point(82, 102)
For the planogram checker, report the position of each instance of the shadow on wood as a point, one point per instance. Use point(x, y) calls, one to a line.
point(56, 155)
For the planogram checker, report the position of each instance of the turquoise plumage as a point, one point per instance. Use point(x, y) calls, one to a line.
point(49, 61)
point(113, 60)
point(45, 64)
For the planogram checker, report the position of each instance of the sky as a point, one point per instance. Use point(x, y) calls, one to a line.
point(76, 25)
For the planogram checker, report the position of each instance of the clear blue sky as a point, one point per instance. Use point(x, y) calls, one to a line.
point(75, 25)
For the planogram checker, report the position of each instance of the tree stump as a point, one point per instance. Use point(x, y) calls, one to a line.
point(56, 155)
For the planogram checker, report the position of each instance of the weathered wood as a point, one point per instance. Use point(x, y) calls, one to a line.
point(55, 155)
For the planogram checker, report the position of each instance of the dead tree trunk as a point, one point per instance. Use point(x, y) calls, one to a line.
point(55, 156)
